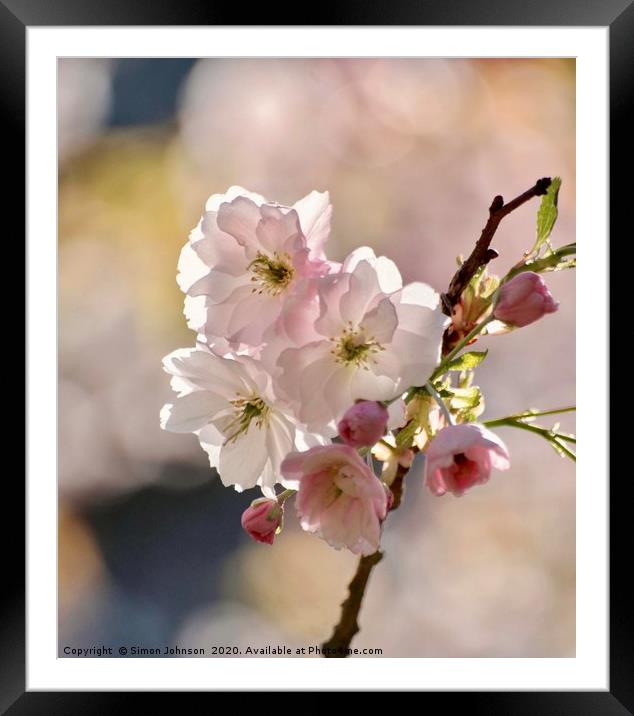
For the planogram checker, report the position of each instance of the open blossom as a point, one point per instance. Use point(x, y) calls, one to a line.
point(249, 268)
point(262, 520)
point(461, 456)
point(372, 344)
point(363, 424)
point(229, 405)
point(524, 300)
point(338, 498)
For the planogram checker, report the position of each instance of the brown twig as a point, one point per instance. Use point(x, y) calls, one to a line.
point(398, 485)
point(339, 643)
point(348, 626)
point(482, 254)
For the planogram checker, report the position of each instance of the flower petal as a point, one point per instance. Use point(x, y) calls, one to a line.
point(315, 212)
point(240, 218)
point(380, 323)
point(242, 460)
point(364, 292)
point(191, 412)
point(205, 371)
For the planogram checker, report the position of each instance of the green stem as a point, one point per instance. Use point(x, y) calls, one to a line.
point(565, 449)
point(541, 264)
point(557, 440)
point(536, 413)
point(283, 496)
point(442, 368)
point(544, 432)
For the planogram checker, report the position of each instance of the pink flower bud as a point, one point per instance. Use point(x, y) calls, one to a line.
point(262, 520)
point(363, 424)
point(524, 299)
point(462, 456)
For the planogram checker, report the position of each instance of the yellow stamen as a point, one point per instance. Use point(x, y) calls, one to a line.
point(355, 347)
point(272, 274)
point(247, 410)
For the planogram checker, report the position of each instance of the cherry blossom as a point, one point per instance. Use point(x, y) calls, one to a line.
point(372, 345)
point(524, 300)
point(229, 405)
point(248, 266)
point(294, 349)
point(339, 498)
point(462, 456)
point(262, 520)
point(363, 424)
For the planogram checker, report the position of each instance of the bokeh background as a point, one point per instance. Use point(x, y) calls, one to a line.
point(412, 151)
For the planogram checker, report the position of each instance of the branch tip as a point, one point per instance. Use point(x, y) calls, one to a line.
point(542, 185)
point(481, 253)
point(496, 204)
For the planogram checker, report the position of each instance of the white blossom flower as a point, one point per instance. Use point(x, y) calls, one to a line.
point(248, 266)
point(373, 345)
point(229, 405)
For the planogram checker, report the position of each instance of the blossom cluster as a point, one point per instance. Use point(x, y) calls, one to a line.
point(300, 366)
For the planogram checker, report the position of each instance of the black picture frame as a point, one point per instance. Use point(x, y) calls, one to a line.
point(618, 15)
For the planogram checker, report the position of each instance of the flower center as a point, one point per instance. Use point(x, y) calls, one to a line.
point(246, 410)
point(464, 471)
point(341, 483)
point(271, 274)
point(355, 347)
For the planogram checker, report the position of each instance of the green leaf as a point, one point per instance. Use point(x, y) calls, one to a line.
point(467, 361)
point(405, 436)
point(547, 215)
point(554, 261)
point(465, 398)
point(558, 259)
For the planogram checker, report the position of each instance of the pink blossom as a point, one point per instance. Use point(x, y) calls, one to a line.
point(363, 424)
point(245, 267)
point(371, 344)
point(339, 498)
point(461, 456)
point(262, 520)
point(524, 299)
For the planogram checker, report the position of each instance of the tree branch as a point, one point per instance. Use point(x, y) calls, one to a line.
point(482, 253)
point(348, 626)
point(339, 643)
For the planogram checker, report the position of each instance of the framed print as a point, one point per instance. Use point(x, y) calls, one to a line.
point(304, 308)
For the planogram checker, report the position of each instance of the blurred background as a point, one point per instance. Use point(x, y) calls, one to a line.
point(151, 551)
